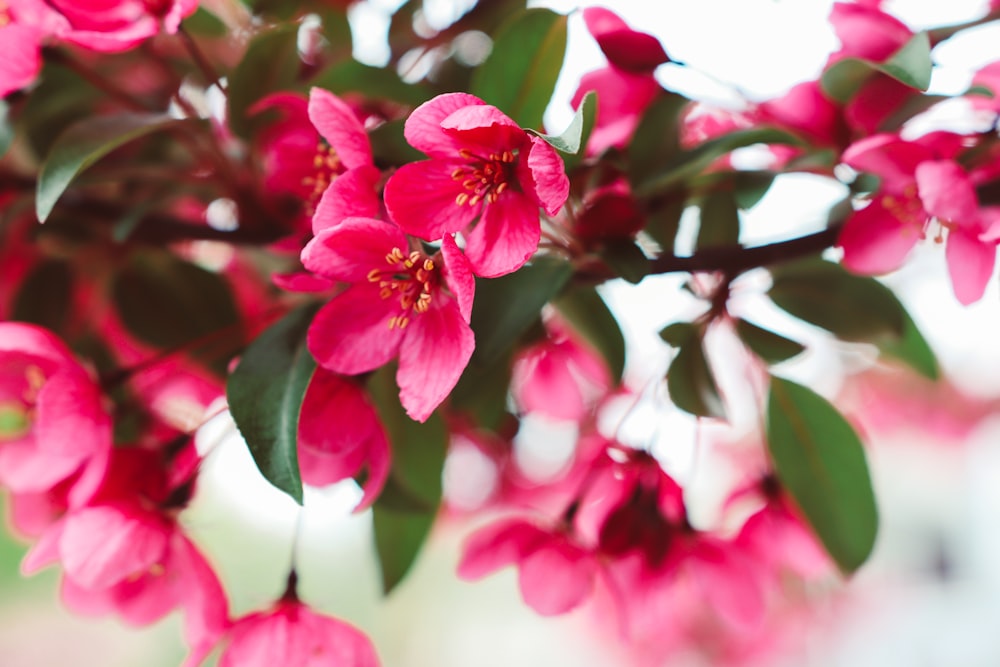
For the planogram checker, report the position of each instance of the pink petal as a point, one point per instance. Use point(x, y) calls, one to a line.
point(437, 348)
point(33, 340)
point(948, 195)
point(546, 176)
point(875, 102)
point(423, 128)
point(542, 382)
point(70, 419)
point(20, 57)
point(506, 236)
point(352, 194)
point(624, 47)
point(206, 611)
point(340, 126)
point(24, 468)
point(420, 198)
point(729, 584)
point(806, 109)
point(970, 265)
point(351, 333)
point(875, 241)
point(866, 32)
point(45, 551)
point(499, 544)
point(557, 577)
point(484, 130)
point(350, 251)
point(458, 275)
point(889, 157)
point(103, 545)
point(302, 282)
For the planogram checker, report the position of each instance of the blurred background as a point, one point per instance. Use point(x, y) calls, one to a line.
point(930, 596)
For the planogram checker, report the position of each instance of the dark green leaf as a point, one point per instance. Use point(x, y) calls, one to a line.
point(687, 164)
point(656, 138)
point(767, 345)
point(821, 462)
point(571, 139)
point(677, 334)
point(719, 220)
point(627, 260)
point(45, 295)
point(912, 349)
point(749, 187)
point(505, 307)
point(404, 517)
point(265, 397)
point(85, 143)
point(390, 147)
point(911, 66)
point(663, 219)
point(482, 391)
point(520, 73)
point(352, 76)
point(203, 22)
point(60, 99)
point(167, 302)
point(690, 381)
point(589, 316)
point(270, 64)
point(853, 308)
point(6, 131)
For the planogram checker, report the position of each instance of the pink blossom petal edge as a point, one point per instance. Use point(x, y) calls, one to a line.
point(875, 241)
point(351, 333)
point(340, 126)
point(352, 194)
point(420, 198)
point(437, 348)
point(947, 193)
point(459, 276)
point(423, 128)
point(557, 577)
point(506, 236)
point(970, 264)
point(350, 251)
point(497, 545)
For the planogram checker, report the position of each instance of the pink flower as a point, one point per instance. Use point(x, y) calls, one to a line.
point(20, 53)
point(53, 424)
point(560, 376)
point(919, 187)
point(118, 25)
point(292, 635)
point(627, 86)
point(556, 574)
point(483, 168)
point(401, 303)
point(339, 434)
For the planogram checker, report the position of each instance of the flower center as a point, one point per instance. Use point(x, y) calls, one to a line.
point(907, 208)
point(5, 16)
point(484, 179)
point(410, 278)
point(326, 168)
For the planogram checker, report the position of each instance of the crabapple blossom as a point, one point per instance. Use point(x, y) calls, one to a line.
point(401, 303)
point(486, 178)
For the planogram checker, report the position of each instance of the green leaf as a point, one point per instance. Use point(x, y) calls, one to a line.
point(767, 345)
point(677, 334)
point(688, 164)
point(271, 64)
point(852, 308)
point(656, 138)
point(482, 391)
point(60, 99)
point(912, 349)
point(590, 317)
point(821, 462)
point(506, 306)
point(167, 302)
point(690, 381)
point(520, 73)
point(719, 220)
point(85, 143)
point(45, 296)
point(663, 219)
point(749, 187)
point(911, 66)
point(390, 147)
point(204, 22)
point(627, 260)
point(571, 139)
point(6, 131)
point(352, 76)
point(403, 518)
point(265, 397)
